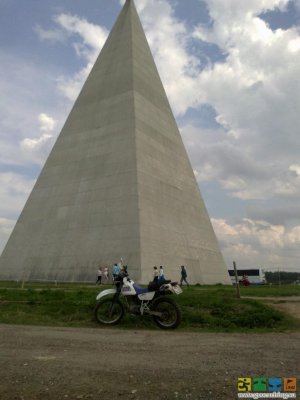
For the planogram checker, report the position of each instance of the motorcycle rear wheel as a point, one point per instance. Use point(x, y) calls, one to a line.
point(109, 313)
point(170, 313)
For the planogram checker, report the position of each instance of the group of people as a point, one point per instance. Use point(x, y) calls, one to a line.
point(158, 275)
point(103, 272)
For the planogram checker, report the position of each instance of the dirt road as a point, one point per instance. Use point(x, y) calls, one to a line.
point(290, 305)
point(39, 363)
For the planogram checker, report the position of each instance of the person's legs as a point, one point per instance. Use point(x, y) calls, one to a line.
point(186, 282)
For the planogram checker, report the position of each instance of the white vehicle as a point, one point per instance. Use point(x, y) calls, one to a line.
point(112, 303)
point(255, 276)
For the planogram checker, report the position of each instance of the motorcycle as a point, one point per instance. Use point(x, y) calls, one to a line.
point(151, 301)
point(244, 281)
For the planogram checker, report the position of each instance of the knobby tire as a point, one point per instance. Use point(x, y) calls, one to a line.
point(171, 313)
point(108, 313)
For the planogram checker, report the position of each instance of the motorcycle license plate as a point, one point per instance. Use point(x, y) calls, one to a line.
point(177, 289)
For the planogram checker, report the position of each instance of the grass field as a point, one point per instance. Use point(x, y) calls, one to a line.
point(204, 308)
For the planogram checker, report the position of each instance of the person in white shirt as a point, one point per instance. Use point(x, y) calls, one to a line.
point(161, 273)
point(99, 278)
point(155, 274)
point(106, 273)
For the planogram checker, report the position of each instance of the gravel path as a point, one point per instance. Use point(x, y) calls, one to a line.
point(40, 363)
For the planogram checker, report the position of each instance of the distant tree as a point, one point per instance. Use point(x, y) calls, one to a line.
point(282, 277)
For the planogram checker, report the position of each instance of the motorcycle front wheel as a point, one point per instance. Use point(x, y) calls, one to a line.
point(108, 312)
point(170, 313)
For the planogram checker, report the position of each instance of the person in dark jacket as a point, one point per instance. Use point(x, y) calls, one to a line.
point(183, 276)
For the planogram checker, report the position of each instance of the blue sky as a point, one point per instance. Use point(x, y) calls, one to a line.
point(231, 71)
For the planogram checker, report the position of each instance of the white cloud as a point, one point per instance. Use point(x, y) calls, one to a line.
point(168, 38)
point(295, 168)
point(256, 94)
point(234, 10)
point(36, 149)
point(87, 39)
point(26, 90)
point(258, 243)
point(14, 190)
point(247, 90)
point(47, 123)
point(54, 35)
point(70, 87)
point(6, 226)
point(93, 36)
point(32, 144)
point(217, 156)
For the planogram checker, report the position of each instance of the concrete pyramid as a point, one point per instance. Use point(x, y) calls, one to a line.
point(118, 182)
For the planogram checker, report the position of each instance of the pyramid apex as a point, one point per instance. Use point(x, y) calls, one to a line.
point(129, 3)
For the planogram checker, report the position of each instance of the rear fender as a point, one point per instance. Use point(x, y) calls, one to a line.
point(105, 293)
point(171, 288)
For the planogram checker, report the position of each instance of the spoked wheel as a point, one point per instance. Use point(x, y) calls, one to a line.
point(109, 313)
point(170, 313)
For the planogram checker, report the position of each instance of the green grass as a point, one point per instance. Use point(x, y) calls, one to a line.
point(259, 290)
point(56, 307)
point(271, 290)
point(204, 308)
point(218, 309)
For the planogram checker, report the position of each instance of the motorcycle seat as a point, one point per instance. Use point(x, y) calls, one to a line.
point(140, 290)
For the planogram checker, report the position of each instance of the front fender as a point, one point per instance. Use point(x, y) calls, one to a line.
point(105, 293)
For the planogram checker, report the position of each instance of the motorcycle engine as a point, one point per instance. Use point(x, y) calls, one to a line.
point(133, 304)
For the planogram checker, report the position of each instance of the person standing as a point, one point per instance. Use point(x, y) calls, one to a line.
point(183, 276)
point(106, 273)
point(161, 277)
point(99, 277)
point(161, 273)
point(155, 274)
point(115, 271)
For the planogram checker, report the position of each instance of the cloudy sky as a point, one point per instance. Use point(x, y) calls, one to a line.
point(231, 70)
